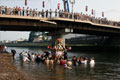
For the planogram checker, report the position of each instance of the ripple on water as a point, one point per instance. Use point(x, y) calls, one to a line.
point(105, 68)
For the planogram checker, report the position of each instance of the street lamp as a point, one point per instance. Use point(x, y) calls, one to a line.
point(72, 2)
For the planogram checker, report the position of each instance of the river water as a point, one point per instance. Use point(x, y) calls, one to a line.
point(107, 67)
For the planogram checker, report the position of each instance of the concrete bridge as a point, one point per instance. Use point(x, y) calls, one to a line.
point(56, 26)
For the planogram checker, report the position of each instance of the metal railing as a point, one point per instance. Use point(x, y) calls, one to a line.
point(59, 14)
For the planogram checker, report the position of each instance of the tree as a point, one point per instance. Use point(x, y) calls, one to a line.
point(44, 36)
point(32, 35)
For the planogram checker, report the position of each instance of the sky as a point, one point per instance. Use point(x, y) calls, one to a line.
point(109, 7)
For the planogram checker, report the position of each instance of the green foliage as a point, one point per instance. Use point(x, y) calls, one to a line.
point(31, 36)
point(44, 36)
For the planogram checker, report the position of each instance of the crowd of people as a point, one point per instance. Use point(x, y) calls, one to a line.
point(60, 59)
point(57, 13)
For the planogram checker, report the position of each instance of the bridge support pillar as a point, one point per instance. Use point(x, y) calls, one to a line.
point(59, 34)
point(56, 35)
point(58, 40)
point(55, 39)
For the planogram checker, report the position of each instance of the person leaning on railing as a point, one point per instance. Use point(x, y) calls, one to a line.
point(56, 13)
point(2, 10)
point(19, 11)
point(15, 11)
point(50, 12)
point(27, 11)
point(60, 13)
point(10, 11)
point(46, 13)
point(42, 13)
point(35, 13)
point(6, 10)
point(23, 11)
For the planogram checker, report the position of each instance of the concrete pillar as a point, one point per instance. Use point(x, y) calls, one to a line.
point(55, 35)
point(58, 34)
point(55, 41)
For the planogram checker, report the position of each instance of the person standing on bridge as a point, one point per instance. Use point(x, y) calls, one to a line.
point(60, 13)
point(6, 10)
point(42, 13)
point(56, 13)
point(10, 11)
point(3, 9)
point(46, 13)
point(50, 12)
point(16, 11)
point(27, 11)
point(36, 12)
point(33, 13)
point(23, 11)
point(13, 11)
point(19, 11)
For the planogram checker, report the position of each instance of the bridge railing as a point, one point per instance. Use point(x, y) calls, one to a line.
point(60, 14)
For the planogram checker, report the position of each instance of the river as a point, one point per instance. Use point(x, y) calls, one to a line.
point(107, 67)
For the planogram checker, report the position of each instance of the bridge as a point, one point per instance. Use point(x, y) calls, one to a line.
point(59, 26)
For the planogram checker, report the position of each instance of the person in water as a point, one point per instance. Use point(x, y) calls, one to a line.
point(92, 61)
point(47, 61)
point(13, 53)
point(65, 54)
point(47, 54)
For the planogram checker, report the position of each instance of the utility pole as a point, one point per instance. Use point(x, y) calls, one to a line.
point(72, 2)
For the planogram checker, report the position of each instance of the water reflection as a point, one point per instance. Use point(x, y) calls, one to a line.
point(92, 66)
point(107, 67)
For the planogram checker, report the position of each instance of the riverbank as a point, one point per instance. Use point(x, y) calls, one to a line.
point(26, 44)
point(75, 47)
point(7, 69)
point(45, 44)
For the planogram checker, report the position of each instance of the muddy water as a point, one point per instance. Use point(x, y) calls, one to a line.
point(107, 67)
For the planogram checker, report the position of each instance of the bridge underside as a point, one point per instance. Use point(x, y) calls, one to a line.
point(82, 27)
point(14, 24)
point(25, 23)
point(9, 24)
point(54, 25)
